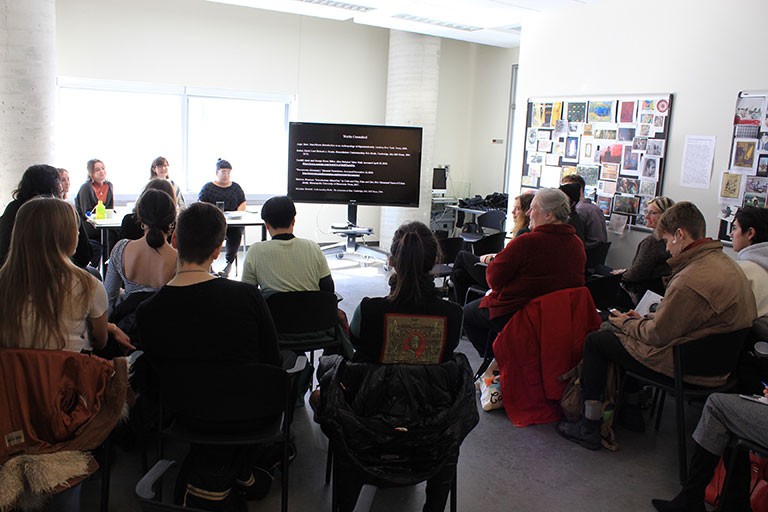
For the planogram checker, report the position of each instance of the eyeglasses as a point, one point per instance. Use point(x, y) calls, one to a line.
point(651, 212)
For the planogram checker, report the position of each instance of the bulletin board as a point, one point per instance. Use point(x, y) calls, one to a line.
point(745, 182)
point(618, 144)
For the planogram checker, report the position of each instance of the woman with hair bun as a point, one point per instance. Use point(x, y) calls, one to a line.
point(146, 264)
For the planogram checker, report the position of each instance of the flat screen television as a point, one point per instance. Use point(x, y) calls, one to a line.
point(354, 164)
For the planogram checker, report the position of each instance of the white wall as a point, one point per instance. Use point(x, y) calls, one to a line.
point(703, 52)
point(336, 70)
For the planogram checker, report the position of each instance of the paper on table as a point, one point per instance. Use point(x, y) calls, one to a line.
point(649, 301)
point(698, 156)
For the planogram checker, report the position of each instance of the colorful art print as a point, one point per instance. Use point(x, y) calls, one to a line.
point(574, 128)
point(756, 185)
point(531, 137)
point(541, 115)
point(606, 188)
point(763, 142)
point(535, 158)
point(568, 169)
point(662, 106)
point(589, 173)
point(658, 122)
point(744, 154)
point(605, 203)
point(557, 112)
point(588, 130)
point(626, 204)
point(571, 149)
point(576, 111)
point(628, 186)
point(655, 147)
point(730, 187)
point(627, 111)
point(544, 134)
point(762, 165)
point(587, 149)
point(530, 181)
point(630, 159)
point(606, 133)
point(644, 130)
point(746, 131)
point(561, 128)
point(558, 148)
point(626, 134)
point(545, 146)
point(639, 143)
point(534, 170)
point(648, 105)
point(649, 168)
point(642, 212)
point(611, 154)
point(609, 172)
point(647, 188)
point(411, 339)
point(749, 110)
point(597, 153)
point(752, 199)
point(552, 159)
point(646, 118)
point(601, 112)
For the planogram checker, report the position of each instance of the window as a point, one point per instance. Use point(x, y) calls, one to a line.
point(127, 125)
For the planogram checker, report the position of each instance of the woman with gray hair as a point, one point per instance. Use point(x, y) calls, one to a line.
point(549, 258)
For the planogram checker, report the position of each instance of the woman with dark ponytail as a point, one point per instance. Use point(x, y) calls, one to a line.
point(411, 324)
point(146, 264)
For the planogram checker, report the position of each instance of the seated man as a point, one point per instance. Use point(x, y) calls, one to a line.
point(707, 294)
point(551, 257)
point(196, 321)
point(724, 417)
point(285, 263)
point(595, 231)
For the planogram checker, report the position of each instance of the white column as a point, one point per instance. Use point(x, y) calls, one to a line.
point(27, 88)
point(412, 90)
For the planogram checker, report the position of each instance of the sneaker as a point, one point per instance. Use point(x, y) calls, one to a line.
point(226, 270)
point(585, 432)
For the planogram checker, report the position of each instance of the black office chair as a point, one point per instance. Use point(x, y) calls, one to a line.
point(711, 356)
point(738, 445)
point(604, 290)
point(493, 220)
point(306, 321)
point(596, 257)
point(449, 247)
point(253, 404)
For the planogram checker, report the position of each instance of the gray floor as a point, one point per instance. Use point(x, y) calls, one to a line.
point(501, 467)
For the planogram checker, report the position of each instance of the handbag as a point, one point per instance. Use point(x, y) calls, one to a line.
point(758, 486)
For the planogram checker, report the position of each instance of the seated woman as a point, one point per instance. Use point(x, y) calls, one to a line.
point(551, 257)
point(45, 300)
point(159, 169)
point(96, 189)
point(649, 265)
point(707, 294)
point(572, 190)
point(750, 240)
point(413, 304)
point(146, 264)
point(130, 227)
point(466, 272)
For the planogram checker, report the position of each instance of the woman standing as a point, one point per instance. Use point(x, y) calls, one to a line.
point(159, 169)
point(96, 189)
point(224, 190)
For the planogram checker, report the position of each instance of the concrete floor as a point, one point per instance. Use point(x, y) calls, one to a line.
point(501, 467)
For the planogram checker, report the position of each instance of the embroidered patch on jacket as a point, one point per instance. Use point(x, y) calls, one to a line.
point(413, 339)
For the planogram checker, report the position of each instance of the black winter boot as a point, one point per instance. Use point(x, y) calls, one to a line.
point(700, 472)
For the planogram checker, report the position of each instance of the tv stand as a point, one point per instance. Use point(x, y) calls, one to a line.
point(351, 231)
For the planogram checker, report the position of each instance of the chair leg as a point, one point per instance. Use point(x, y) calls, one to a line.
point(328, 464)
point(105, 476)
point(454, 500)
point(284, 473)
point(660, 408)
point(487, 358)
point(681, 439)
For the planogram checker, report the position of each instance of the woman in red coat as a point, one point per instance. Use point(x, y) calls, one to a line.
point(551, 257)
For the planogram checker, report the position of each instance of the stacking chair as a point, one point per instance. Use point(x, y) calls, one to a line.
point(252, 404)
point(306, 321)
point(596, 257)
point(711, 356)
point(450, 247)
point(492, 219)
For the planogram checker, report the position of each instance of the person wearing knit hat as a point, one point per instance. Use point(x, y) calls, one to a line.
point(224, 191)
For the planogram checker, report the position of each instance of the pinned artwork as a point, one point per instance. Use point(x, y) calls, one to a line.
point(601, 112)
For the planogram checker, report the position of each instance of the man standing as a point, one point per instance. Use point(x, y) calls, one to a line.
point(594, 220)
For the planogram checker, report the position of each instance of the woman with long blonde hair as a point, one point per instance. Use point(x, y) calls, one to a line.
point(45, 300)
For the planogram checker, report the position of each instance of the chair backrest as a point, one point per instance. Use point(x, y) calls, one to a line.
point(604, 289)
point(713, 355)
point(224, 392)
point(490, 244)
point(450, 247)
point(493, 219)
point(300, 312)
point(596, 255)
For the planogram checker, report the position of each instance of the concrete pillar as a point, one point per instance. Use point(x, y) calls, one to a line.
point(412, 89)
point(27, 88)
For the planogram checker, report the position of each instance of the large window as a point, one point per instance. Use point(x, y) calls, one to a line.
point(127, 125)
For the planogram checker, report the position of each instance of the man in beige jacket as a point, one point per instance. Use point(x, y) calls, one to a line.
point(707, 294)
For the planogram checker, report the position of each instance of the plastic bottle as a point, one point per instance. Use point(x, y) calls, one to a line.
point(101, 212)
